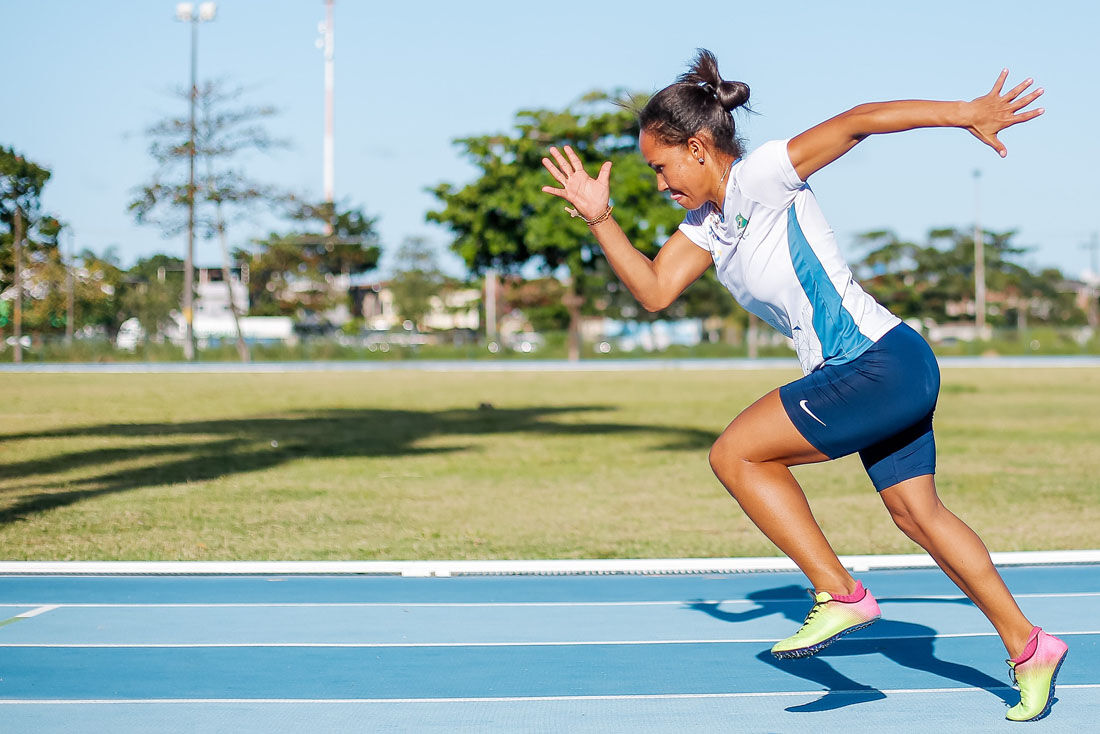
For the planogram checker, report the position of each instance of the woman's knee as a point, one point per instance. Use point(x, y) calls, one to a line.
point(727, 458)
point(905, 521)
point(722, 452)
point(913, 512)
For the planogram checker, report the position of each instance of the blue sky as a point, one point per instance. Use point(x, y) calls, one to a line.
point(412, 76)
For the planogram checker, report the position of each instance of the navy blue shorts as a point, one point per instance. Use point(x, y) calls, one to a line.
point(879, 404)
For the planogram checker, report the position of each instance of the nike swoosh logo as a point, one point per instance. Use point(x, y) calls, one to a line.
point(802, 404)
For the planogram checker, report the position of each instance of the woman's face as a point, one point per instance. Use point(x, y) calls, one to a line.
point(678, 169)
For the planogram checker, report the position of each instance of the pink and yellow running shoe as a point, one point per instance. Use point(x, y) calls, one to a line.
point(1034, 672)
point(832, 616)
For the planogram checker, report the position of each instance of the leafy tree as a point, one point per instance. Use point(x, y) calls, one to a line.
point(225, 133)
point(706, 298)
point(21, 184)
point(44, 278)
point(540, 300)
point(151, 291)
point(45, 275)
point(932, 280)
point(295, 274)
point(416, 279)
point(97, 281)
point(503, 221)
point(346, 241)
point(895, 272)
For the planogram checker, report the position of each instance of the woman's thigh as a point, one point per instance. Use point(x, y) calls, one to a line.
point(842, 409)
point(763, 432)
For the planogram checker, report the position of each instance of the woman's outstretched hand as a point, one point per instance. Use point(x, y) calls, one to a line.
point(993, 112)
point(589, 196)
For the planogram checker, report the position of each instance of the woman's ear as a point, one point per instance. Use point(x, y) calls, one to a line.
point(697, 149)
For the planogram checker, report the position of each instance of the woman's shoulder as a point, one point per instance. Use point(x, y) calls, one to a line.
point(771, 150)
point(767, 175)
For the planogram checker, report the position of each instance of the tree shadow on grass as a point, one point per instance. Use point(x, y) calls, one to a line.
point(905, 643)
point(205, 450)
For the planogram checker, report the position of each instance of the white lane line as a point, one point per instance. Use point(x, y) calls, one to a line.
point(398, 604)
point(40, 609)
point(494, 699)
point(504, 604)
point(531, 643)
point(539, 567)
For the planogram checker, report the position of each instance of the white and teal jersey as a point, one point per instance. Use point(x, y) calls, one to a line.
point(776, 254)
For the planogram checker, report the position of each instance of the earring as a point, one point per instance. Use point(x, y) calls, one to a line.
point(701, 160)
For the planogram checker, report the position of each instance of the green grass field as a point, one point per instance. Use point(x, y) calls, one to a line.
point(419, 465)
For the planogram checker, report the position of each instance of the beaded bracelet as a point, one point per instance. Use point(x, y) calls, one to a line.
point(591, 222)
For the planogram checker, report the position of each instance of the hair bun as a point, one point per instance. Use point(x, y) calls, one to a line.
point(699, 102)
point(704, 73)
point(732, 95)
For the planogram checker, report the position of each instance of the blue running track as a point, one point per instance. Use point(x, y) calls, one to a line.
point(521, 653)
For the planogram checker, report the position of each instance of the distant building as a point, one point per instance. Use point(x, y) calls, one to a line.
point(1086, 295)
point(455, 309)
point(452, 309)
point(373, 302)
point(212, 295)
point(213, 317)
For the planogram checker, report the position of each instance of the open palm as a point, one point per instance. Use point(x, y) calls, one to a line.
point(993, 111)
point(589, 196)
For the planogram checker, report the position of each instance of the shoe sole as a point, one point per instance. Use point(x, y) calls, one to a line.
point(1050, 694)
point(805, 652)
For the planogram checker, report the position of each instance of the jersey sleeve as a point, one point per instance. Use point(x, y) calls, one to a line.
point(694, 226)
point(768, 176)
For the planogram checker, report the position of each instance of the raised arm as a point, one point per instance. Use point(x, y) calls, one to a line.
point(654, 283)
point(984, 117)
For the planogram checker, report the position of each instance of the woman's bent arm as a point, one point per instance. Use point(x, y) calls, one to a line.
point(654, 283)
point(658, 282)
point(983, 117)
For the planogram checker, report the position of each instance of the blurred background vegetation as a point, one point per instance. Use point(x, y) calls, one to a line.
point(536, 283)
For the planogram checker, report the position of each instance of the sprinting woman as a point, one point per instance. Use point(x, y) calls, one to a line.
point(870, 383)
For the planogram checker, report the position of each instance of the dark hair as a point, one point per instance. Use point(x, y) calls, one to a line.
point(699, 101)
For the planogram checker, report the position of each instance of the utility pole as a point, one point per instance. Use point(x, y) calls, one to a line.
point(328, 44)
point(490, 306)
point(189, 256)
point(1093, 246)
point(186, 12)
point(979, 263)
point(227, 276)
point(69, 295)
point(17, 317)
point(573, 300)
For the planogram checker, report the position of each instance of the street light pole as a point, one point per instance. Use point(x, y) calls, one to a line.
point(189, 257)
point(330, 83)
point(17, 254)
point(70, 296)
point(979, 264)
point(1093, 281)
point(1093, 246)
point(326, 43)
point(187, 12)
